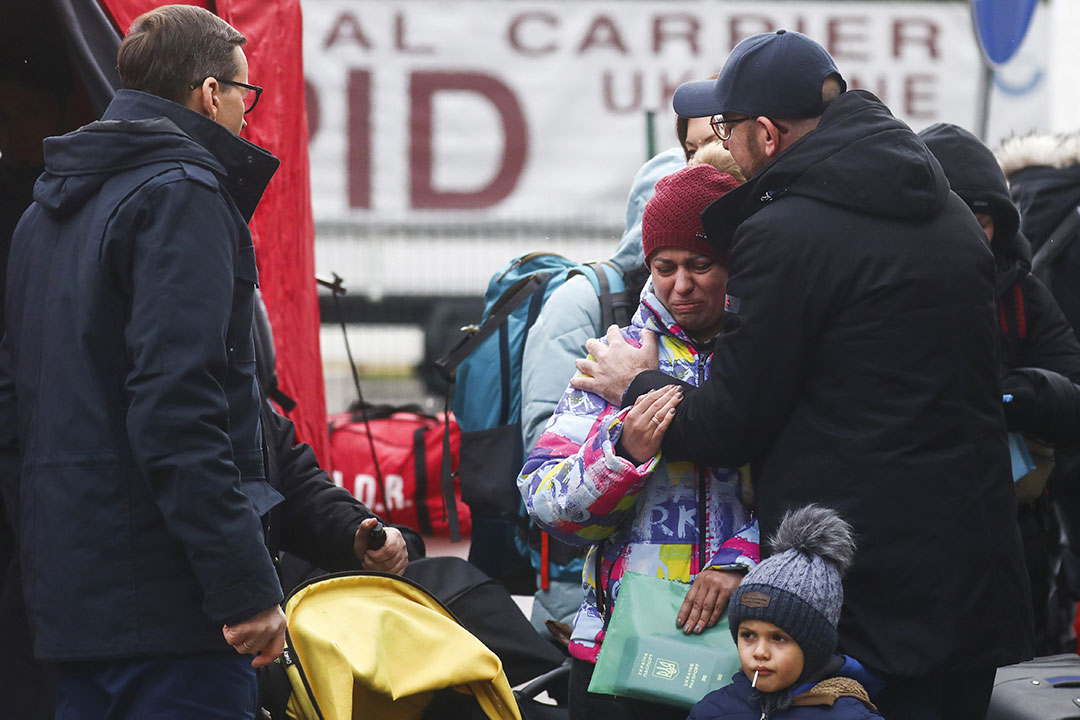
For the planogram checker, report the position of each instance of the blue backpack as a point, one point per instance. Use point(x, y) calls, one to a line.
point(485, 371)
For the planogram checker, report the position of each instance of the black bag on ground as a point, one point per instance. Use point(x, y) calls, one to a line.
point(1046, 688)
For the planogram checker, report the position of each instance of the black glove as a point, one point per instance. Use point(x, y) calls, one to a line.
point(1023, 410)
point(1045, 406)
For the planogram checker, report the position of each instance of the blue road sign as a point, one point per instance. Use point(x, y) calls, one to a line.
point(1000, 26)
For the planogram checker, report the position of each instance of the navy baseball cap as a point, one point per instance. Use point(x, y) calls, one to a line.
point(778, 75)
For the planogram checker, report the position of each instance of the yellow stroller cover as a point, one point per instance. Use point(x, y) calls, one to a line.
point(372, 645)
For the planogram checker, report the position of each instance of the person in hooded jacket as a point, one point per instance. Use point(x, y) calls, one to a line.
point(857, 370)
point(1040, 364)
point(633, 510)
point(131, 432)
point(1043, 173)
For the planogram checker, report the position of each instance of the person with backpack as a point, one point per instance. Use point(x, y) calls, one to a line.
point(633, 510)
point(1040, 369)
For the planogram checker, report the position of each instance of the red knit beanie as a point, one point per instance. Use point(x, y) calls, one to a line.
point(673, 216)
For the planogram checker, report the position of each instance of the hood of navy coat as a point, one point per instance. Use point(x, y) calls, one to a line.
point(139, 129)
point(860, 158)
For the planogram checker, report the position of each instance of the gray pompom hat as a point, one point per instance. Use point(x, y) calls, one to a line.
point(799, 587)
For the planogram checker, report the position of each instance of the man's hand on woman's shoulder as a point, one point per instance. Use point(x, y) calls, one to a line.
point(610, 367)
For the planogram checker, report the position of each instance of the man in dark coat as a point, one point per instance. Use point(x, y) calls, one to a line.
point(1040, 366)
point(131, 434)
point(857, 370)
point(320, 526)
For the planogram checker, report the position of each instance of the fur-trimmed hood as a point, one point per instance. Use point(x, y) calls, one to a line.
point(1019, 152)
point(1044, 181)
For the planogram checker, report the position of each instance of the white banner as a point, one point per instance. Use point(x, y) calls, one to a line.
point(520, 112)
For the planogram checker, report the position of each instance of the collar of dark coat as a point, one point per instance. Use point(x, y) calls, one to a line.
point(245, 168)
point(839, 163)
point(828, 691)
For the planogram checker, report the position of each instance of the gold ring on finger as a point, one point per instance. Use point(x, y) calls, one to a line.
point(655, 420)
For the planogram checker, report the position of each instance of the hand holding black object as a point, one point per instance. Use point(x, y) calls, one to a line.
point(377, 537)
point(380, 548)
point(1045, 406)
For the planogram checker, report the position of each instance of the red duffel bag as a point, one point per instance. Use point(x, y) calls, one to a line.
point(405, 486)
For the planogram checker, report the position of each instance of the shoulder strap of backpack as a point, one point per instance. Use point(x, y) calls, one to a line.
point(420, 486)
point(447, 475)
point(505, 360)
point(521, 291)
point(607, 309)
point(1060, 239)
point(616, 308)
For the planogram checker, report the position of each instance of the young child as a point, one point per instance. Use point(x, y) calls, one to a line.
point(783, 616)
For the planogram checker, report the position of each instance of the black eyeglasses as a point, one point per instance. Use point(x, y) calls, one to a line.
point(722, 128)
point(251, 97)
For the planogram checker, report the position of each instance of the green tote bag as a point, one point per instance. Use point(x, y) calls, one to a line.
point(645, 656)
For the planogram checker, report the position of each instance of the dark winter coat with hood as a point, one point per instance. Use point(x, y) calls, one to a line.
point(1044, 183)
point(1039, 353)
point(128, 372)
point(857, 370)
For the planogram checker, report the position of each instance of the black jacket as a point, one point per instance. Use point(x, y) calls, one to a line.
point(857, 369)
point(317, 520)
point(128, 372)
point(1044, 196)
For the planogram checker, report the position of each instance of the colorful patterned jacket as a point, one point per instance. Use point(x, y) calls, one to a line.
point(643, 518)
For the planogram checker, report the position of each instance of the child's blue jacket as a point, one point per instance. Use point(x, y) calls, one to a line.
point(821, 700)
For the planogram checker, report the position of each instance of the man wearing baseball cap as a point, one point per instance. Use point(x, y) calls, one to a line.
point(856, 370)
